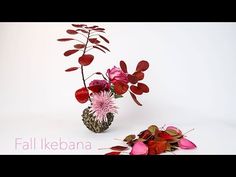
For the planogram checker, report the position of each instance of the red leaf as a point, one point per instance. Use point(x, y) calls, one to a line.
point(142, 66)
point(103, 47)
point(72, 32)
point(82, 95)
point(65, 39)
point(123, 66)
point(86, 60)
point(98, 48)
point(71, 69)
point(113, 153)
point(136, 90)
point(119, 148)
point(120, 87)
point(135, 99)
point(139, 75)
point(161, 146)
point(132, 79)
point(105, 39)
point(143, 87)
point(99, 29)
point(94, 40)
point(145, 134)
point(78, 25)
point(91, 27)
point(70, 52)
point(79, 46)
point(165, 135)
point(84, 31)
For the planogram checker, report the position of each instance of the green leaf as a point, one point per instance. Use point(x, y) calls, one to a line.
point(172, 132)
point(153, 129)
point(118, 96)
point(129, 138)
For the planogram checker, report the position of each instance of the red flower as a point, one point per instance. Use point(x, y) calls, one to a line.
point(116, 74)
point(99, 85)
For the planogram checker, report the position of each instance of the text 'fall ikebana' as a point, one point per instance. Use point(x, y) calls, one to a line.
point(101, 93)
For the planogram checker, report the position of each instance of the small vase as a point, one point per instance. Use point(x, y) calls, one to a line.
point(94, 125)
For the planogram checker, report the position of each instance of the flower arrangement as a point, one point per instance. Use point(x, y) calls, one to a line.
point(101, 93)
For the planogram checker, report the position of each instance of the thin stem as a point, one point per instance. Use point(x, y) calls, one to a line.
point(94, 74)
point(82, 68)
point(188, 131)
point(89, 49)
point(83, 35)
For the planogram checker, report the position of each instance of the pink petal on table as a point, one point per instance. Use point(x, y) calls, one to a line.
point(186, 144)
point(174, 128)
point(139, 148)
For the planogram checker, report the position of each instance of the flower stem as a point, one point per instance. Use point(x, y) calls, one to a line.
point(82, 68)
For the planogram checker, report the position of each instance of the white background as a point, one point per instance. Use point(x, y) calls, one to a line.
point(191, 78)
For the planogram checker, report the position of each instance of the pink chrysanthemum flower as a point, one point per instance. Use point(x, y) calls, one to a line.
point(103, 103)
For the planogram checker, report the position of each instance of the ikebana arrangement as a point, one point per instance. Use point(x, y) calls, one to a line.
point(101, 93)
point(153, 141)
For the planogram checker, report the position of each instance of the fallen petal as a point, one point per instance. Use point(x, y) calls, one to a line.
point(139, 148)
point(186, 144)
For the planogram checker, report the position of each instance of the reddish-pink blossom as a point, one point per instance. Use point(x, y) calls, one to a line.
point(116, 74)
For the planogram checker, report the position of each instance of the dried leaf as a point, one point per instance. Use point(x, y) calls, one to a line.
point(105, 39)
point(120, 87)
point(99, 29)
point(65, 39)
point(94, 40)
point(86, 60)
point(165, 135)
point(72, 32)
point(132, 79)
point(113, 153)
point(136, 90)
point(84, 31)
point(70, 52)
point(79, 46)
point(129, 138)
point(119, 148)
point(175, 129)
point(161, 146)
point(103, 47)
point(143, 87)
point(82, 95)
point(145, 134)
point(78, 25)
point(71, 69)
point(123, 66)
point(172, 132)
point(135, 99)
point(139, 75)
point(99, 49)
point(152, 129)
point(142, 66)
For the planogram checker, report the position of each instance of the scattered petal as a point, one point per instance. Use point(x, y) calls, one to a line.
point(113, 153)
point(186, 144)
point(139, 148)
point(119, 148)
